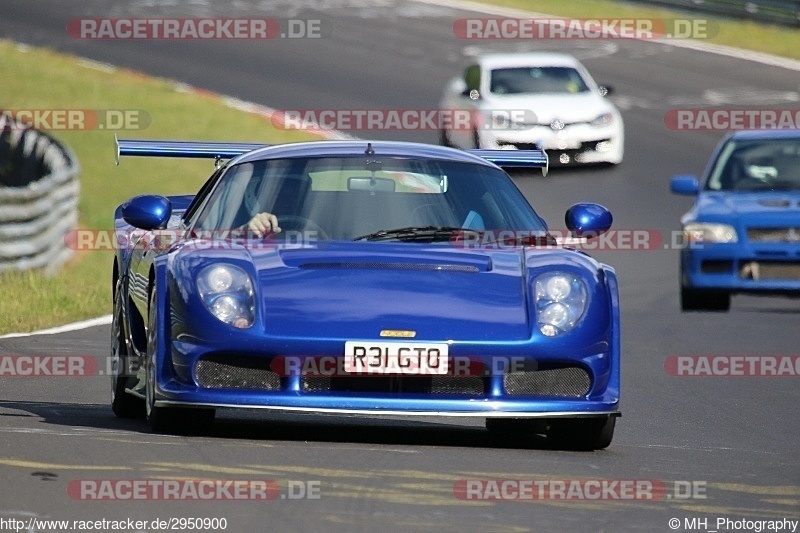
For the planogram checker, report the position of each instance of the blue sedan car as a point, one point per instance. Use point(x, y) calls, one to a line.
point(395, 278)
point(742, 234)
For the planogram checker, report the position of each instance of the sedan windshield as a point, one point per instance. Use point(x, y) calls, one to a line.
point(526, 80)
point(757, 165)
point(400, 199)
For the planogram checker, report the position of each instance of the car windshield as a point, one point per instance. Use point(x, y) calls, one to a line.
point(526, 80)
point(344, 198)
point(757, 165)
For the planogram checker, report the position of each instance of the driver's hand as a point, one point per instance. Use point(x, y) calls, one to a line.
point(263, 223)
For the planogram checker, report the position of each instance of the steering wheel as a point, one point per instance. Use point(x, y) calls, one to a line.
point(300, 223)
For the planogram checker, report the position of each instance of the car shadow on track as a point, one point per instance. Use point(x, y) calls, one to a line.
point(295, 427)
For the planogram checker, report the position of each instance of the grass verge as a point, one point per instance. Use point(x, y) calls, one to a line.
point(758, 36)
point(47, 80)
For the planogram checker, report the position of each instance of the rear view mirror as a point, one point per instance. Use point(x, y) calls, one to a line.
point(371, 184)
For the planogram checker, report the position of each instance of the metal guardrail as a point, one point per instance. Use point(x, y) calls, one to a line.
point(785, 12)
point(39, 189)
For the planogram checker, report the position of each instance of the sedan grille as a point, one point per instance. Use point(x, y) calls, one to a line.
point(781, 270)
point(773, 234)
point(567, 382)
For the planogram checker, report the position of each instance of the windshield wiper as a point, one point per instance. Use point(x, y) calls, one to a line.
point(416, 233)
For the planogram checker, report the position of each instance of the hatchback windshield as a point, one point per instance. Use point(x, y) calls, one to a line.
point(344, 198)
point(521, 80)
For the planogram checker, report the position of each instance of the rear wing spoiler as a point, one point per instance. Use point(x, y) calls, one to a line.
point(222, 150)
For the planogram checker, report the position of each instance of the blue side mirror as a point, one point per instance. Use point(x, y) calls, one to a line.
point(147, 212)
point(588, 220)
point(686, 185)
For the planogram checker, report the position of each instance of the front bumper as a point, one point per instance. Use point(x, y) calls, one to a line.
point(743, 267)
point(575, 144)
point(558, 386)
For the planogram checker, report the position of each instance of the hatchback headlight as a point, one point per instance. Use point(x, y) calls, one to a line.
point(560, 302)
point(603, 120)
point(698, 232)
point(227, 292)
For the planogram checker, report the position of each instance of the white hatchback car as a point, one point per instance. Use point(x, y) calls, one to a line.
point(533, 100)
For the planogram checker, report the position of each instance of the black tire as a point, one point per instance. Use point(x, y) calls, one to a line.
point(167, 419)
point(476, 140)
point(595, 433)
point(123, 404)
point(516, 426)
point(704, 300)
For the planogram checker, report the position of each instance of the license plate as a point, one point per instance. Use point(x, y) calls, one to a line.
point(413, 358)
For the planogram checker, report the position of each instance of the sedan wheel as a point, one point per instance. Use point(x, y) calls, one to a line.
point(701, 300)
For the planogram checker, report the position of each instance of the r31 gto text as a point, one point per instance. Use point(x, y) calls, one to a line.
point(406, 357)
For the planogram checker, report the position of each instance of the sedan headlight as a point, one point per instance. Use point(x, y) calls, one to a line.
point(706, 232)
point(227, 292)
point(560, 302)
point(603, 120)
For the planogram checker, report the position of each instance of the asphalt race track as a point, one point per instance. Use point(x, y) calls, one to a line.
point(722, 447)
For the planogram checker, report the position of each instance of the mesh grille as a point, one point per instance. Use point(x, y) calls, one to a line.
point(234, 373)
point(472, 386)
point(466, 386)
point(568, 382)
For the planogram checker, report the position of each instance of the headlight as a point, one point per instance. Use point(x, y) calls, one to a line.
point(603, 120)
point(704, 232)
point(227, 292)
point(560, 302)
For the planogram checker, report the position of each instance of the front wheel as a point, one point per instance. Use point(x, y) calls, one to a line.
point(123, 404)
point(167, 419)
point(703, 300)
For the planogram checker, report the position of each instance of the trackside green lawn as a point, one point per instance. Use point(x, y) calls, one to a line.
point(40, 79)
point(768, 38)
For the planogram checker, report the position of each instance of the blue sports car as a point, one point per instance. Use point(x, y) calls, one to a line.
point(355, 277)
point(742, 234)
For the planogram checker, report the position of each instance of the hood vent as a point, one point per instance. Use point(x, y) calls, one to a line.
point(774, 203)
point(377, 265)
